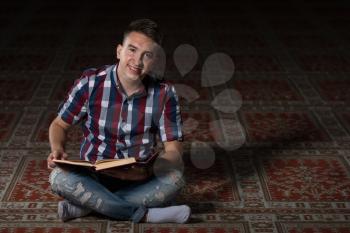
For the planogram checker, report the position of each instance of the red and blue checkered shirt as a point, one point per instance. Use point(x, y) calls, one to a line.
point(116, 125)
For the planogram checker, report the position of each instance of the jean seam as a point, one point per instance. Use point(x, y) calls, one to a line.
point(139, 213)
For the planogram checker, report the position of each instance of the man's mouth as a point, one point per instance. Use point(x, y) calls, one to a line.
point(135, 69)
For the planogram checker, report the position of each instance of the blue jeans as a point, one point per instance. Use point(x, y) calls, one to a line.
point(118, 199)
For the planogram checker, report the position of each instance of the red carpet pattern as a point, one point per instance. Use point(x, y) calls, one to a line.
point(201, 130)
point(282, 161)
point(213, 184)
point(318, 178)
point(42, 132)
point(32, 183)
point(334, 90)
point(267, 90)
point(322, 63)
point(212, 228)
point(17, 89)
point(8, 120)
point(314, 227)
point(50, 227)
point(345, 119)
point(282, 126)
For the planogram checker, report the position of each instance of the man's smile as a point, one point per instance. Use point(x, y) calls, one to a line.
point(135, 69)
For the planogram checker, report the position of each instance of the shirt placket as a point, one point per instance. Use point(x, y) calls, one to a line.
point(123, 119)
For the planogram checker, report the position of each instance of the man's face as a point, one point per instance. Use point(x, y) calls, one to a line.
point(136, 56)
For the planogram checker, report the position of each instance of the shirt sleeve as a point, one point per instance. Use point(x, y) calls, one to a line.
point(73, 109)
point(170, 122)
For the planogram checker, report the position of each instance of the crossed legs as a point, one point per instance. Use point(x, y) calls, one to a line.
point(84, 189)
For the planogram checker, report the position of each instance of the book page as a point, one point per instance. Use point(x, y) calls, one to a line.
point(105, 161)
point(74, 162)
point(101, 164)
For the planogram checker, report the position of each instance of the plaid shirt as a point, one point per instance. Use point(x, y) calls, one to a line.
point(115, 125)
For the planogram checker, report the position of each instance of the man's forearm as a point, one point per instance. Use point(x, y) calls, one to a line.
point(173, 151)
point(57, 137)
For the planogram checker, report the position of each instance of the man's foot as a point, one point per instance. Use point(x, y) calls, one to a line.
point(175, 214)
point(67, 210)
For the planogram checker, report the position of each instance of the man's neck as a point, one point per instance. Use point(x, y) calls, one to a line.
point(130, 86)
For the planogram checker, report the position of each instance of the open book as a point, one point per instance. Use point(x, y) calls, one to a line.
point(108, 163)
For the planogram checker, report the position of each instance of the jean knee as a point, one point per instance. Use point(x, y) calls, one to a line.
point(61, 181)
point(53, 178)
point(165, 192)
point(174, 178)
point(160, 196)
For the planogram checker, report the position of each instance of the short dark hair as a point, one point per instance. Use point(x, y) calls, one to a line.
point(147, 27)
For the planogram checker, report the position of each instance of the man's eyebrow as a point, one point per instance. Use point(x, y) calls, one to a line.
point(134, 47)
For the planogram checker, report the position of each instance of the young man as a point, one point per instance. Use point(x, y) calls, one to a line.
point(122, 109)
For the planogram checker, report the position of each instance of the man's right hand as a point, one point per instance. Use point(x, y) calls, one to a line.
point(56, 154)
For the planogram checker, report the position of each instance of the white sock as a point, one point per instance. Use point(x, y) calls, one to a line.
point(175, 214)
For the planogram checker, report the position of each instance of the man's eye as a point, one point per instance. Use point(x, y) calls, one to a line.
point(149, 55)
point(132, 50)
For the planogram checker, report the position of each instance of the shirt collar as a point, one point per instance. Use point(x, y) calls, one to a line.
point(143, 92)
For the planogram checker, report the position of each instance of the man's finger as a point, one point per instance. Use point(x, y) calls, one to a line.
point(51, 165)
point(64, 156)
point(55, 155)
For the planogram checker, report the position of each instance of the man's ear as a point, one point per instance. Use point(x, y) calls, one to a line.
point(118, 50)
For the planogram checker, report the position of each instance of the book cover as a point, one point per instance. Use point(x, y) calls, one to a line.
point(98, 165)
point(108, 163)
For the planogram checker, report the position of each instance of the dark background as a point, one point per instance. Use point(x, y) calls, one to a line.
point(261, 36)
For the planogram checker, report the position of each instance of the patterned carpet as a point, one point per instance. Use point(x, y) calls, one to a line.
point(279, 161)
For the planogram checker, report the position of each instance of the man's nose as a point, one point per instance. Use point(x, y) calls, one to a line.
point(139, 59)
